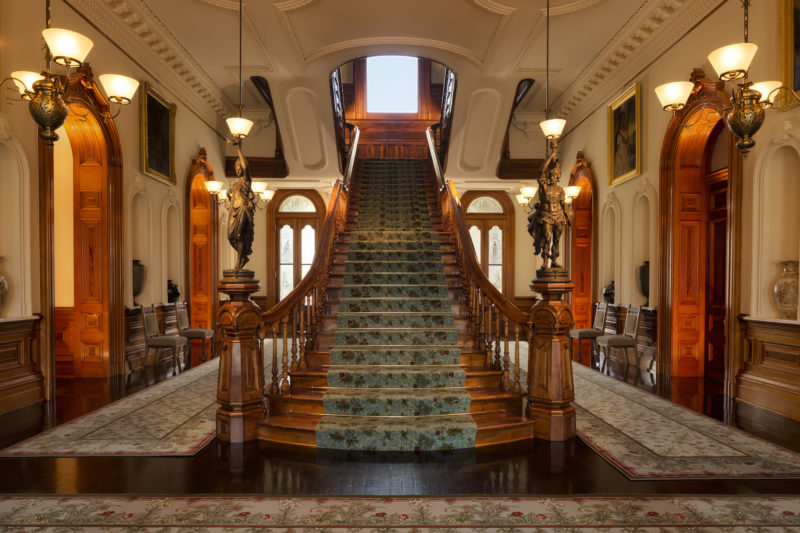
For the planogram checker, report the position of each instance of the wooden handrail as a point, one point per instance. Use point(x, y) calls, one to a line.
point(494, 319)
point(351, 157)
point(437, 168)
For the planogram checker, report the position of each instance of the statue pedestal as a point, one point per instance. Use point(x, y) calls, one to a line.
point(240, 389)
point(550, 387)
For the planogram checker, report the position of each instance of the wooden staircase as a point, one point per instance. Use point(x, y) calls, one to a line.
point(499, 414)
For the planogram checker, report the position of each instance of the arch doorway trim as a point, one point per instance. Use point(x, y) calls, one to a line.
point(689, 148)
point(202, 256)
point(97, 154)
point(507, 217)
point(582, 253)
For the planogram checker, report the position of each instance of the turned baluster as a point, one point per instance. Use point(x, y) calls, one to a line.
point(274, 389)
point(293, 320)
point(506, 358)
point(497, 362)
point(473, 311)
point(487, 345)
point(516, 386)
point(302, 336)
point(285, 374)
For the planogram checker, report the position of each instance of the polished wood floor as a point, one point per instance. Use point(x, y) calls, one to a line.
point(543, 469)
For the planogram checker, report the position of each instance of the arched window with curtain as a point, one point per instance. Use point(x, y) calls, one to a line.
point(490, 220)
point(294, 216)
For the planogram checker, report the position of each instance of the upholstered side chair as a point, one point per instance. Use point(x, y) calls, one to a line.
point(191, 334)
point(624, 342)
point(596, 331)
point(154, 340)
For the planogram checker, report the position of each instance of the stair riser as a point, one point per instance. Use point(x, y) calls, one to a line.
point(313, 406)
point(321, 381)
point(325, 340)
point(457, 308)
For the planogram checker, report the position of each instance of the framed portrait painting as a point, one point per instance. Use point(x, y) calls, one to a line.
point(789, 49)
point(624, 136)
point(157, 127)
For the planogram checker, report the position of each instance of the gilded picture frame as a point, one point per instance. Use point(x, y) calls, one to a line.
point(624, 136)
point(157, 129)
point(788, 50)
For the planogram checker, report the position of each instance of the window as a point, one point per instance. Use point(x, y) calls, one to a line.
point(296, 218)
point(392, 84)
point(490, 222)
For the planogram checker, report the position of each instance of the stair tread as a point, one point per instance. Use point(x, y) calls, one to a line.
point(308, 421)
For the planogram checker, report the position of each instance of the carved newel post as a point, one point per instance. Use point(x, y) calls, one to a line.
point(550, 387)
point(241, 366)
point(240, 387)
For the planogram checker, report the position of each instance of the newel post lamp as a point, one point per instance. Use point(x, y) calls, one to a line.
point(550, 388)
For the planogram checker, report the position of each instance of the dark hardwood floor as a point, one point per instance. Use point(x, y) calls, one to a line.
point(543, 469)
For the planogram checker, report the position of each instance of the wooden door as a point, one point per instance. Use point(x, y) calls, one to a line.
point(202, 276)
point(91, 247)
point(717, 184)
point(581, 256)
point(689, 274)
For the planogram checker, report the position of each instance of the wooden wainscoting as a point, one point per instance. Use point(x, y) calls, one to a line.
point(21, 382)
point(134, 331)
point(770, 377)
point(65, 332)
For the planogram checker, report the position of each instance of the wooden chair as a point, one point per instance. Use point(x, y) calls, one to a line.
point(596, 331)
point(623, 342)
point(191, 334)
point(154, 339)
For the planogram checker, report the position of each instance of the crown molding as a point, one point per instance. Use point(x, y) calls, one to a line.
point(136, 30)
point(649, 32)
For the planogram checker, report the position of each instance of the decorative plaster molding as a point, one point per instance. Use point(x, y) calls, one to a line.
point(138, 31)
point(654, 27)
point(232, 5)
point(5, 128)
point(504, 12)
point(528, 124)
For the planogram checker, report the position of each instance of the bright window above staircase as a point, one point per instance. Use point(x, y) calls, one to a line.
point(392, 84)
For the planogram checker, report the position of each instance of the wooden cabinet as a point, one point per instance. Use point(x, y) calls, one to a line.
point(770, 377)
point(21, 382)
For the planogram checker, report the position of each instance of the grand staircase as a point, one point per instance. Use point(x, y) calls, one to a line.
point(395, 366)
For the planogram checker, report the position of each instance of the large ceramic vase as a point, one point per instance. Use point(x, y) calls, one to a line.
point(138, 279)
point(644, 281)
point(3, 290)
point(785, 290)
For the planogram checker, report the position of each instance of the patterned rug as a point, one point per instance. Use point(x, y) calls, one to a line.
point(394, 382)
point(406, 515)
point(648, 437)
point(176, 417)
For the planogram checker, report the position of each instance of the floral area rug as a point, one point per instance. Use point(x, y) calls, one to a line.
point(648, 437)
point(176, 417)
point(394, 382)
point(401, 515)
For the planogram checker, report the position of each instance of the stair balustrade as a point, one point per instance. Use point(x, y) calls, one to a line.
point(494, 319)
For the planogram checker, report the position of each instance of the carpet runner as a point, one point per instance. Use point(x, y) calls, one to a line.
point(394, 380)
point(700, 514)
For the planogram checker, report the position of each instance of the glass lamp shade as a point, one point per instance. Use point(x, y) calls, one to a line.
point(69, 48)
point(766, 88)
point(572, 191)
point(24, 80)
point(673, 96)
point(120, 89)
point(267, 195)
point(528, 192)
point(213, 187)
point(223, 194)
point(731, 62)
point(521, 200)
point(552, 128)
point(239, 126)
point(258, 186)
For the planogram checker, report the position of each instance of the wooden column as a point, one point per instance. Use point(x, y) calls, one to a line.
point(240, 389)
point(550, 387)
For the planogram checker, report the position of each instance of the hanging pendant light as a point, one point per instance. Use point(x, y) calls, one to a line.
point(239, 125)
point(551, 127)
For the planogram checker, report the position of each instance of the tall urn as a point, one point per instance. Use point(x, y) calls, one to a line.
point(785, 290)
point(644, 281)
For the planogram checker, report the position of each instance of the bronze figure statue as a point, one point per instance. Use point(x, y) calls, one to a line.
point(546, 222)
point(242, 208)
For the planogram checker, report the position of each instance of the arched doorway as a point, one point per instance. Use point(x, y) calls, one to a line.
point(295, 217)
point(490, 220)
point(92, 344)
point(581, 252)
point(700, 207)
point(201, 229)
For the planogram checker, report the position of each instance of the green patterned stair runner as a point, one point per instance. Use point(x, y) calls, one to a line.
point(394, 380)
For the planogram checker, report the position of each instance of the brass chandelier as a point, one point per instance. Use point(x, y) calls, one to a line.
point(749, 100)
point(45, 92)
